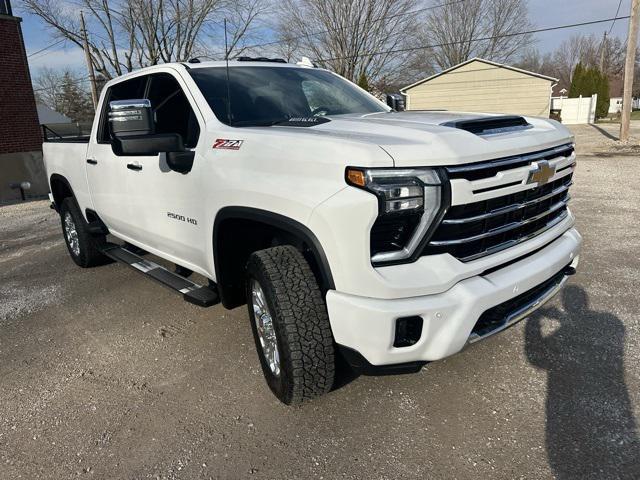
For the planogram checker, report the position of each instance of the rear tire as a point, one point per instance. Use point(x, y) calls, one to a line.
point(290, 325)
point(81, 244)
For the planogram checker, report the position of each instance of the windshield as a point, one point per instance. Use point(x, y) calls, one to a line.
point(271, 95)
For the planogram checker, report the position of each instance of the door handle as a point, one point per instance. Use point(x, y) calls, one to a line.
point(134, 166)
point(92, 161)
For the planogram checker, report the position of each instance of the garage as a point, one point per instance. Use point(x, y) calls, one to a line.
point(479, 85)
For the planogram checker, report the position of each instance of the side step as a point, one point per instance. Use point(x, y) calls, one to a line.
point(191, 292)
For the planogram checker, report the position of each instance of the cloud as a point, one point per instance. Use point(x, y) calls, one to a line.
point(71, 58)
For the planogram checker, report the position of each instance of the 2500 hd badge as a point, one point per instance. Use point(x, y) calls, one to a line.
point(182, 218)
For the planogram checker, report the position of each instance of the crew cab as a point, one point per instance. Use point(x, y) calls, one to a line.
point(389, 238)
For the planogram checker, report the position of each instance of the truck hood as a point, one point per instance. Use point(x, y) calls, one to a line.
point(444, 138)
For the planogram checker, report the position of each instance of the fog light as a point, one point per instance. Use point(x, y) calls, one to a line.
point(408, 331)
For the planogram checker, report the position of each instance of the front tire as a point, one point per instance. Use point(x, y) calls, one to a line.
point(290, 325)
point(81, 244)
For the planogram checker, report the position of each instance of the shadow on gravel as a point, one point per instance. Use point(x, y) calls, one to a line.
point(590, 430)
point(604, 132)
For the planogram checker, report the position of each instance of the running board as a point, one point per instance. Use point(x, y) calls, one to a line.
point(191, 291)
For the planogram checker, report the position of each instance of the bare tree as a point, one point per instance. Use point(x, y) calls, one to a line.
point(584, 49)
point(614, 56)
point(288, 44)
point(350, 37)
point(489, 29)
point(128, 34)
point(47, 84)
point(243, 25)
point(534, 61)
point(65, 92)
point(577, 49)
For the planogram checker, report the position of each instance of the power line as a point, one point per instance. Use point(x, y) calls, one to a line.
point(63, 40)
point(73, 82)
point(616, 15)
point(46, 48)
point(473, 40)
point(323, 32)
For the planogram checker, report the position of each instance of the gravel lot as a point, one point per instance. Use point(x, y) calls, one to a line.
point(105, 374)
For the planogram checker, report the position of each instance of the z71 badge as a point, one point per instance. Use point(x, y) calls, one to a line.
point(227, 144)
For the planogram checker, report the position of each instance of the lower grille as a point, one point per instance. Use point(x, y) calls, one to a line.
point(504, 314)
point(474, 230)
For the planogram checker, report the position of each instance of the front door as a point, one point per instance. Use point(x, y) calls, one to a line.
point(166, 205)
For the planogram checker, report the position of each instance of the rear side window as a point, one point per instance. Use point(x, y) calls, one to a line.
point(171, 109)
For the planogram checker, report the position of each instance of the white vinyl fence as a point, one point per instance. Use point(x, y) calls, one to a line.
point(576, 110)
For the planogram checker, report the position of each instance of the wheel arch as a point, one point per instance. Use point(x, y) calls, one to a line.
point(240, 231)
point(60, 189)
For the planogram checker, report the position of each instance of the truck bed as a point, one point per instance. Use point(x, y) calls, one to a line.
point(66, 132)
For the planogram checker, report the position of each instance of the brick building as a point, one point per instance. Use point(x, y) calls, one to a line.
point(20, 137)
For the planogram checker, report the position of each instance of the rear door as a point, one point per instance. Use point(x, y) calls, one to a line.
point(107, 173)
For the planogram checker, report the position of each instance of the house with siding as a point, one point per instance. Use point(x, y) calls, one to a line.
point(479, 85)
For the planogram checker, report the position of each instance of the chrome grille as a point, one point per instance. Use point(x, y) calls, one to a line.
point(475, 171)
point(481, 228)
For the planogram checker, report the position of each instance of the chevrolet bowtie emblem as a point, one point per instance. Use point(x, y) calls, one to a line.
point(541, 172)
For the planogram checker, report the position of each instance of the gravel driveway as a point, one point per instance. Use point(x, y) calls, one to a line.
point(107, 375)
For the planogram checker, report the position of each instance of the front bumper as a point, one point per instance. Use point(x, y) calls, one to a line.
point(367, 325)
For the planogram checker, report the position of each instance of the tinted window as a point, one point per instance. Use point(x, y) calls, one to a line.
point(260, 95)
point(172, 111)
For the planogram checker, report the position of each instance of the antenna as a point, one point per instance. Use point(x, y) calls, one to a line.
point(226, 58)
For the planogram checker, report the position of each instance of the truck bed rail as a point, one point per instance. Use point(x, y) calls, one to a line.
point(67, 132)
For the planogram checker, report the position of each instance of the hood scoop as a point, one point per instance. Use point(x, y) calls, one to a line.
point(490, 125)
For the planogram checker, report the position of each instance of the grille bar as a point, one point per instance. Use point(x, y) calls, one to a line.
point(483, 227)
point(514, 242)
point(561, 151)
point(502, 229)
point(508, 209)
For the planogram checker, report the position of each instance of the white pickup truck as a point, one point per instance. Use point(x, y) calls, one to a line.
point(389, 238)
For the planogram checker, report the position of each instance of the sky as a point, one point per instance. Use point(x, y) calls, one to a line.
point(542, 13)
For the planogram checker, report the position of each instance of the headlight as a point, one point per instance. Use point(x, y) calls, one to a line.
point(409, 200)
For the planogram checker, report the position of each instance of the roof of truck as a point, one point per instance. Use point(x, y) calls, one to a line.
point(237, 63)
point(206, 64)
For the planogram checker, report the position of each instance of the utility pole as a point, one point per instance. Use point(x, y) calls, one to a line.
point(629, 66)
point(602, 50)
point(87, 56)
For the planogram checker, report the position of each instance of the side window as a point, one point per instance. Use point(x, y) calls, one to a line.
point(172, 111)
point(129, 89)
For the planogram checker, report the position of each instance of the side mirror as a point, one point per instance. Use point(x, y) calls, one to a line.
point(180, 161)
point(147, 145)
point(396, 101)
point(133, 130)
point(178, 158)
point(131, 117)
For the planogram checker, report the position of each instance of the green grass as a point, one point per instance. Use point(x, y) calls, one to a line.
point(635, 115)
